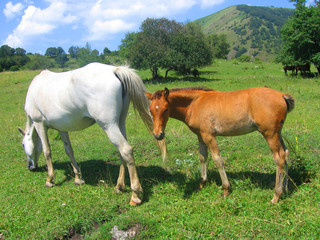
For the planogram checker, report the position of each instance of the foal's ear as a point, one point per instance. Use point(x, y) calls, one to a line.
point(148, 95)
point(166, 93)
point(23, 132)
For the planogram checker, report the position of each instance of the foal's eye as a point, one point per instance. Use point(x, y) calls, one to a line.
point(166, 110)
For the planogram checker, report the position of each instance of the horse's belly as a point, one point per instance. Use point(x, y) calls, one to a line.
point(233, 129)
point(71, 124)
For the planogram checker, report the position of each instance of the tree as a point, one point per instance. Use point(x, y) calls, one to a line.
point(53, 52)
point(6, 51)
point(126, 44)
point(74, 51)
point(162, 43)
point(300, 36)
point(61, 60)
point(219, 45)
point(106, 51)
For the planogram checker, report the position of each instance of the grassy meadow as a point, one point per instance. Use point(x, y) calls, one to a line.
point(172, 207)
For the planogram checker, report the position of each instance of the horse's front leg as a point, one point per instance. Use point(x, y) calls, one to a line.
point(211, 142)
point(203, 155)
point(69, 151)
point(120, 182)
point(43, 134)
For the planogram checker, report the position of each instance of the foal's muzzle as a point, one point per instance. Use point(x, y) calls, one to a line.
point(159, 136)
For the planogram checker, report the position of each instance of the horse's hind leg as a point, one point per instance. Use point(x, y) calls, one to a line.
point(285, 181)
point(69, 151)
point(117, 139)
point(280, 155)
point(43, 134)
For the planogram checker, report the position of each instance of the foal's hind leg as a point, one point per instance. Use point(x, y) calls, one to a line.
point(211, 142)
point(69, 151)
point(280, 155)
point(285, 182)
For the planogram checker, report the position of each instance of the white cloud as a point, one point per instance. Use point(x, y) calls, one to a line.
point(36, 21)
point(210, 3)
point(12, 10)
point(99, 19)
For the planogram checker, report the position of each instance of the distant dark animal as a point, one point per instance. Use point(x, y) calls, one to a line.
point(195, 73)
point(303, 68)
point(290, 68)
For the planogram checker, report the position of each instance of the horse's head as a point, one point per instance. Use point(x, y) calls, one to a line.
point(32, 146)
point(159, 108)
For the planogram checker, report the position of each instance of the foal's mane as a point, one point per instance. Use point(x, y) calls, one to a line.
point(159, 93)
point(192, 89)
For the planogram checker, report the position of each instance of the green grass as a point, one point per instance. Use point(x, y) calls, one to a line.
point(172, 207)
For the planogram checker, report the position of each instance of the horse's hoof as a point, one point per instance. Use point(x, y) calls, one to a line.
point(225, 194)
point(135, 202)
point(274, 201)
point(49, 184)
point(79, 182)
point(118, 189)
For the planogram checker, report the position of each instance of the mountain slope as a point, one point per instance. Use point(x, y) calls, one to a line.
point(250, 30)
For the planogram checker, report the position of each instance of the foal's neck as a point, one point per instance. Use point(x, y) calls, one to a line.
point(180, 101)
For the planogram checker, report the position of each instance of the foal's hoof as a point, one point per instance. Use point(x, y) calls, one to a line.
point(225, 194)
point(49, 184)
point(79, 182)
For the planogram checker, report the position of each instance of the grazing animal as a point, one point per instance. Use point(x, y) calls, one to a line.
point(210, 113)
point(290, 68)
point(74, 100)
point(303, 68)
point(195, 73)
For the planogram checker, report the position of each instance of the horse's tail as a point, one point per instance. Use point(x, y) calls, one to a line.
point(135, 88)
point(289, 101)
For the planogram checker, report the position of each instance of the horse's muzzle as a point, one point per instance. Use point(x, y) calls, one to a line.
point(159, 136)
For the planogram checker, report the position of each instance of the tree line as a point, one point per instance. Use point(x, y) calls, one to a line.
point(160, 44)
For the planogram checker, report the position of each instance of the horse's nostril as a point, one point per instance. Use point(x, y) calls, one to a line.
point(159, 137)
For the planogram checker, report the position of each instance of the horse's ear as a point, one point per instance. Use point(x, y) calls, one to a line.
point(148, 95)
point(23, 132)
point(166, 93)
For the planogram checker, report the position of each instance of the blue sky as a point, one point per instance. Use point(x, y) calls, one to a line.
point(36, 25)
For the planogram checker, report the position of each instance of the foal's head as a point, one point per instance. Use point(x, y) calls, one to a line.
point(32, 146)
point(159, 108)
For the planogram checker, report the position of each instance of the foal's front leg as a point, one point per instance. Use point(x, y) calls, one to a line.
point(211, 142)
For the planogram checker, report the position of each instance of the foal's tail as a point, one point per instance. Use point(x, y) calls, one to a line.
point(135, 88)
point(289, 101)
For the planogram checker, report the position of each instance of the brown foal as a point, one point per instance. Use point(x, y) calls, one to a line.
point(210, 113)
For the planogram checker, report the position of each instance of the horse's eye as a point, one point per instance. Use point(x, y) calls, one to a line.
point(166, 110)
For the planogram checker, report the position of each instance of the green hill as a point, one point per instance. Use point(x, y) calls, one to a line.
point(250, 30)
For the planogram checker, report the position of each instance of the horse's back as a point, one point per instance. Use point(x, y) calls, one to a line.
point(72, 100)
point(237, 112)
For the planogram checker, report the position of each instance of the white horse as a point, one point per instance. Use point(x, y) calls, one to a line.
point(74, 100)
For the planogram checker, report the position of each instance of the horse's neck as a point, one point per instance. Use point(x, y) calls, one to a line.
point(180, 101)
